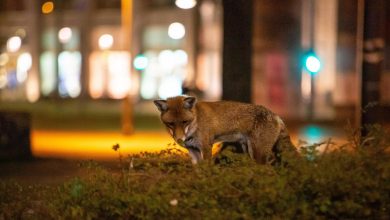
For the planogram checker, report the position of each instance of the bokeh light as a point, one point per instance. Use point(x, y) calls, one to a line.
point(110, 74)
point(170, 87)
point(176, 31)
point(166, 59)
point(148, 87)
point(140, 62)
point(313, 133)
point(118, 74)
point(47, 7)
point(3, 79)
point(65, 34)
point(4, 58)
point(48, 72)
point(23, 66)
point(98, 75)
point(21, 32)
point(106, 41)
point(14, 43)
point(69, 74)
point(32, 88)
point(313, 64)
point(185, 4)
point(181, 57)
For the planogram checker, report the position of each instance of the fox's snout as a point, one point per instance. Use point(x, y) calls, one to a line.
point(182, 140)
point(179, 135)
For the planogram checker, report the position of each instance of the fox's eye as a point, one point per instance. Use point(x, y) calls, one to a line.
point(185, 122)
point(171, 124)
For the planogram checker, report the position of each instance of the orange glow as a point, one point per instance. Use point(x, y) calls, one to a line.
point(95, 145)
point(127, 21)
point(98, 145)
point(47, 7)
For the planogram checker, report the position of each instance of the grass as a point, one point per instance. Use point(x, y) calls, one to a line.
point(352, 181)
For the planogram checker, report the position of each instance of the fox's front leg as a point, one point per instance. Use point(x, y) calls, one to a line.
point(195, 154)
point(198, 150)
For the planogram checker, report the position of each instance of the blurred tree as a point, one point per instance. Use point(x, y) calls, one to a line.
point(237, 50)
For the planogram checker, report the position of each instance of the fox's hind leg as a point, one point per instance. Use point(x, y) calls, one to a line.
point(260, 145)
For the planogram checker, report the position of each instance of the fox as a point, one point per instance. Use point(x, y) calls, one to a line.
point(197, 125)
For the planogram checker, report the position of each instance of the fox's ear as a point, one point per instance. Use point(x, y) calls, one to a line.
point(189, 102)
point(161, 105)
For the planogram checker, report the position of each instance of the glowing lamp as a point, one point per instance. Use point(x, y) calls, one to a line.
point(311, 62)
point(14, 43)
point(176, 31)
point(140, 62)
point(185, 4)
point(65, 34)
point(47, 7)
point(106, 41)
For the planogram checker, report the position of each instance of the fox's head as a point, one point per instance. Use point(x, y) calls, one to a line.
point(178, 115)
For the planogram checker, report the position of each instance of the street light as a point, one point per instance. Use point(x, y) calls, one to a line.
point(176, 31)
point(185, 4)
point(106, 41)
point(140, 62)
point(312, 63)
point(65, 34)
point(14, 43)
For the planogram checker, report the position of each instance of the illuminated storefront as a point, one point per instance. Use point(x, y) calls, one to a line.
point(66, 83)
point(167, 66)
point(110, 70)
point(77, 49)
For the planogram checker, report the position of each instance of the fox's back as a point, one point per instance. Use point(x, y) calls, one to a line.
point(228, 116)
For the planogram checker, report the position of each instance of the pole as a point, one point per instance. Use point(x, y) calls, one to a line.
point(237, 50)
point(312, 87)
point(308, 10)
point(373, 53)
point(312, 97)
point(127, 102)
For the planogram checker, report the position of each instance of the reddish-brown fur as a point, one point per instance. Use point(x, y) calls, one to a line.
point(197, 125)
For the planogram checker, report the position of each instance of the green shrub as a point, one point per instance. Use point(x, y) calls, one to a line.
point(343, 183)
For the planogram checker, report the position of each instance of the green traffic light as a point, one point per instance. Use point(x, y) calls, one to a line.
point(312, 64)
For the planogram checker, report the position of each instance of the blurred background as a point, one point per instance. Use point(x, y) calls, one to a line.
point(94, 65)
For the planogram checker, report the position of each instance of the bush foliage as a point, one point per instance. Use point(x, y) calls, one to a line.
point(352, 181)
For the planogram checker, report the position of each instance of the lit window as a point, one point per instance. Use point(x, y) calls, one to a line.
point(69, 74)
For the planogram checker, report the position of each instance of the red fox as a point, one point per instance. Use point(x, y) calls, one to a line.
point(198, 125)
